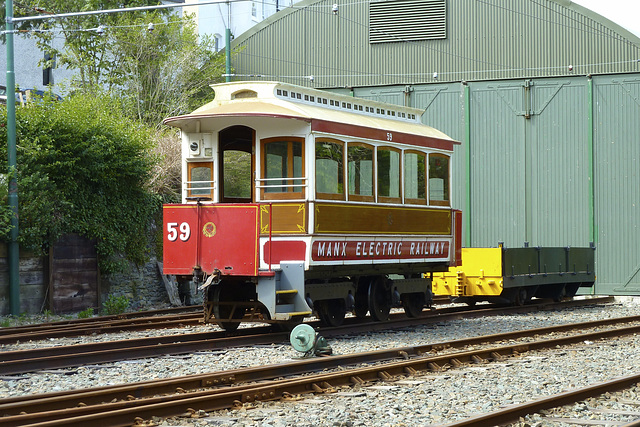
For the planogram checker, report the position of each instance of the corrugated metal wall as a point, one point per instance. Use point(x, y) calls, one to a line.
point(549, 156)
point(558, 136)
point(617, 182)
point(497, 151)
point(534, 166)
point(489, 39)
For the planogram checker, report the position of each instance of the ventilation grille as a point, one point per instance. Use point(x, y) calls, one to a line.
point(407, 20)
point(244, 94)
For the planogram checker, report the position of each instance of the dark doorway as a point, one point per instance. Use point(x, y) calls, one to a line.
point(236, 164)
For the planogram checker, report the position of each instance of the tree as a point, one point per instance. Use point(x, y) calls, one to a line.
point(83, 167)
point(86, 47)
point(159, 73)
point(168, 71)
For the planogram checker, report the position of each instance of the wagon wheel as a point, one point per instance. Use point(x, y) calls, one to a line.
point(521, 296)
point(223, 311)
point(332, 312)
point(361, 306)
point(379, 299)
point(413, 303)
point(560, 294)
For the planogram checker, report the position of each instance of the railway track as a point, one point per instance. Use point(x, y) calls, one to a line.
point(24, 361)
point(218, 390)
point(136, 321)
point(593, 392)
point(166, 318)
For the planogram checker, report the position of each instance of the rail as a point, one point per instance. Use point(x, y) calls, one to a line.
point(263, 182)
point(273, 382)
point(190, 187)
point(23, 361)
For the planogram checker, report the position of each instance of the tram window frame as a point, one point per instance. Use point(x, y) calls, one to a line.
point(446, 177)
point(381, 169)
point(359, 197)
point(195, 191)
point(419, 175)
point(297, 192)
point(340, 194)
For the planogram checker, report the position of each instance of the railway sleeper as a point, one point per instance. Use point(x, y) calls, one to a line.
point(410, 371)
point(356, 380)
point(497, 356)
point(384, 375)
point(477, 359)
point(433, 366)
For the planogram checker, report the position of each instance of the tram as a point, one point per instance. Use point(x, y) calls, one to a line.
point(298, 201)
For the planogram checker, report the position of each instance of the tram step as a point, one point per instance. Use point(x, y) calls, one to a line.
point(289, 316)
point(285, 308)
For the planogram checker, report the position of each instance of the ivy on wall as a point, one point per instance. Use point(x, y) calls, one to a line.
point(82, 167)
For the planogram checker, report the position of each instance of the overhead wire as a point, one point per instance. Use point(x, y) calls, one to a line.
point(582, 27)
point(339, 72)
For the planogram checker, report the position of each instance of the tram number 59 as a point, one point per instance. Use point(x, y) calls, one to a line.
point(175, 231)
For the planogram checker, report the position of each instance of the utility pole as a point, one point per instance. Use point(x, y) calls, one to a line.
point(14, 248)
point(227, 45)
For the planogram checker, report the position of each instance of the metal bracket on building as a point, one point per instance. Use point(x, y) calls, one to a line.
point(625, 88)
point(407, 95)
point(527, 98)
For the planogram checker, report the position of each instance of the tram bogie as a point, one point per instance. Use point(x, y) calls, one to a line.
point(298, 201)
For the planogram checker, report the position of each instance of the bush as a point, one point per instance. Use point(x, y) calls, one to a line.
point(86, 314)
point(116, 305)
point(83, 168)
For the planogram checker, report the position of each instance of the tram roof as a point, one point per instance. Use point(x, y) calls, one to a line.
point(348, 115)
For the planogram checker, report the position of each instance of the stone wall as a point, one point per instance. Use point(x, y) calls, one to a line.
point(142, 286)
point(33, 282)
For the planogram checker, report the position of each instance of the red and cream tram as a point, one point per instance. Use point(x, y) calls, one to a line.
point(297, 200)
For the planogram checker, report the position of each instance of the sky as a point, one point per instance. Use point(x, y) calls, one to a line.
point(625, 13)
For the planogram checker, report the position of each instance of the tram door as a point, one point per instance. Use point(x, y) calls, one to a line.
point(236, 164)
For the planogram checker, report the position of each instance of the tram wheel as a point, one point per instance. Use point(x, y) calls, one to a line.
point(332, 312)
point(226, 311)
point(413, 303)
point(379, 299)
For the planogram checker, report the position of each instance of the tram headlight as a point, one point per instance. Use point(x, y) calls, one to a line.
point(195, 147)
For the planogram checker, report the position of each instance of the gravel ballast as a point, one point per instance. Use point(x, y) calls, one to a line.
point(432, 398)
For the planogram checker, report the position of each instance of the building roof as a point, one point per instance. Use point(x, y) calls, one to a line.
point(480, 40)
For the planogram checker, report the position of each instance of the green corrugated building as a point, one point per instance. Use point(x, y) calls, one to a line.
point(543, 94)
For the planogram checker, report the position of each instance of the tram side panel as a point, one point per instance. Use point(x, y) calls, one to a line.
point(220, 239)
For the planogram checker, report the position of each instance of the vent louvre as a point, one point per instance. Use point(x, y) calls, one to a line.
point(407, 20)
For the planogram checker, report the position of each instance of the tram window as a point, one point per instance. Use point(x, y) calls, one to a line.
point(200, 180)
point(415, 189)
point(388, 163)
point(282, 168)
point(330, 170)
point(360, 170)
point(237, 175)
point(439, 179)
